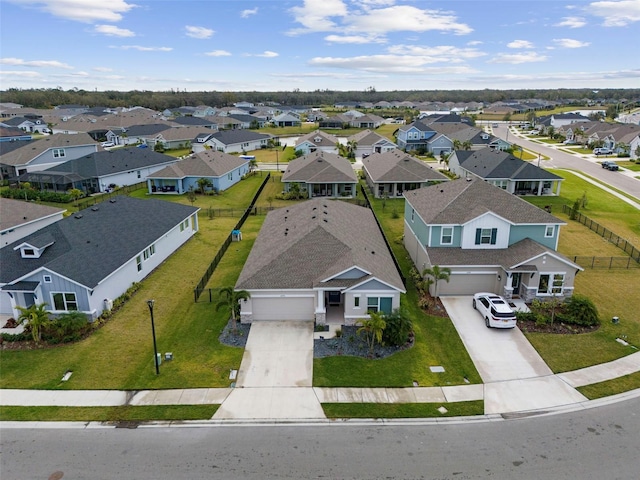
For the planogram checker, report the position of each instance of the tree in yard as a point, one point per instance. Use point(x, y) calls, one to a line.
point(230, 300)
point(612, 111)
point(457, 144)
point(76, 194)
point(203, 184)
point(373, 329)
point(531, 117)
point(352, 146)
point(437, 273)
point(466, 145)
point(36, 317)
point(191, 195)
point(253, 164)
point(397, 329)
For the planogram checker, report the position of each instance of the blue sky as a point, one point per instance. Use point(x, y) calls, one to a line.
point(277, 45)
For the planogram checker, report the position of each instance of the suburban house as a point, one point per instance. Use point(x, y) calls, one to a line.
point(286, 119)
point(84, 261)
point(45, 153)
point(29, 124)
point(368, 142)
point(19, 219)
point(13, 134)
point(317, 141)
point(504, 170)
point(366, 121)
point(177, 137)
point(138, 133)
point(322, 260)
point(233, 141)
point(100, 172)
point(321, 175)
point(337, 121)
point(491, 240)
point(392, 173)
point(420, 137)
point(221, 169)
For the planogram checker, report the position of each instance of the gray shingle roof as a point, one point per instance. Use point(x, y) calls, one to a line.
point(230, 137)
point(496, 164)
point(30, 150)
point(318, 138)
point(460, 201)
point(208, 163)
point(105, 237)
point(397, 166)
point(17, 212)
point(320, 167)
point(303, 245)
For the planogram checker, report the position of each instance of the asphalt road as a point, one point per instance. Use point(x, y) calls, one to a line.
point(560, 159)
point(599, 443)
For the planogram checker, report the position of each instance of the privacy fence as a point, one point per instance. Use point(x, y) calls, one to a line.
point(605, 233)
point(250, 210)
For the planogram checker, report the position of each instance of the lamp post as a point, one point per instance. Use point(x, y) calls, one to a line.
point(153, 331)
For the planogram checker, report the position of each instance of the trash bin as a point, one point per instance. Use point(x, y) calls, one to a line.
point(615, 320)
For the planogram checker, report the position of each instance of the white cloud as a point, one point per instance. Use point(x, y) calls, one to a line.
point(473, 43)
point(315, 15)
point(113, 31)
point(389, 64)
point(441, 53)
point(20, 74)
point(616, 13)
point(198, 32)
point(87, 11)
point(571, 22)
point(35, 63)
point(266, 54)
point(517, 58)
point(143, 49)
point(353, 39)
point(248, 12)
point(520, 44)
point(103, 69)
point(218, 53)
point(570, 43)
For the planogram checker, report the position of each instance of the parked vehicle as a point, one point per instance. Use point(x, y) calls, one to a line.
point(107, 144)
point(602, 151)
point(613, 166)
point(495, 310)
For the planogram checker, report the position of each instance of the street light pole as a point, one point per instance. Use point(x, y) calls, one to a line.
point(153, 332)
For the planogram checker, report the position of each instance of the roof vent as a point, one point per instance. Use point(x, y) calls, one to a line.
point(441, 191)
point(112, 200)
point(372, 252)
point(325, 220)
point(313, 217)
point(79, 215)
point(94, 209)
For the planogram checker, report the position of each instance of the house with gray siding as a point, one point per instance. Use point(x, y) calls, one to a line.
point(19, 219)
point(491, 240)
point(322, 260)
point(321, 174)
point(85, 261)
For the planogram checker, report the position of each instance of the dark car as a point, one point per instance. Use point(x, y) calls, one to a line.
point(613, 166)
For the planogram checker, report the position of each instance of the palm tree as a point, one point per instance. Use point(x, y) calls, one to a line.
point(373, 328)
point(466, 145)
point(204, 183)
point(352, 146)
point(230, 300)
point(36, 317)
point(437, 274)
point(253, 164)
point(457, 144)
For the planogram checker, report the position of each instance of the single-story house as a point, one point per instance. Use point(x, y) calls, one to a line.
point(234, 141)
point(368, 142)
point(32, 124)
point(321, 175)
point(221, 169)
point(317, 141)
point(19, 219)
point(85, 261)
point(392, 173)
point(367, 121)
point(100, 171)
point(491, 240)
point(286, 119)
point(506, 171)
point(322, 260)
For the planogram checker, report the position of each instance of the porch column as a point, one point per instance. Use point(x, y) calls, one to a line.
point(558, 185)
point(394, 190)
point(540, 183)
point(320, 302)
point(321, 311)
point(508, 288)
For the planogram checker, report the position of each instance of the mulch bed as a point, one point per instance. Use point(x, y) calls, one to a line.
point(529, 326)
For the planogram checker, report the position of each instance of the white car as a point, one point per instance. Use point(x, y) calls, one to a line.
point(495, 310)
point(107, 144)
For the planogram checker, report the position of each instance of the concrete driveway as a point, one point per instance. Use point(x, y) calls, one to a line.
point(515, 377)
point(275, 377)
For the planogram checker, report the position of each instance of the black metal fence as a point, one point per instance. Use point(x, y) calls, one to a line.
point(586, 261)
point(605, 233)
point(386, 241)
point(95, 199)
point(200, 287)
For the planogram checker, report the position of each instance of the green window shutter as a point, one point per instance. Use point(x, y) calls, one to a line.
point(478, 233)
point(494, 234)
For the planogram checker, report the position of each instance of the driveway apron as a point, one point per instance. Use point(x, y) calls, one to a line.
point(516, 377)
point(275, 376)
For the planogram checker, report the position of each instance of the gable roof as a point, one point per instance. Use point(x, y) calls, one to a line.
point(208, 163)
point(310, 242)
point(30, 150)
point(96, 241)
point(397, 166)
point(462, 200)
point(320, 167)
point(146, 130)
point(367, 137)
point(16, 212)
point(231, 137)
point(319, 139)
point(491, 163)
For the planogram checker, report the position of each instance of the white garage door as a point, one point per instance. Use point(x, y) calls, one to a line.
point(283, 308)
point(467, 284)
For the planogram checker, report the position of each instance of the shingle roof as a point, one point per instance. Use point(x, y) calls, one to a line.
point(397, 166)
point(230, 137)
point(494, 164)
point(303, 245)
point(460, 201)
point(208, 163)
point(89, 248)
point(17, 212)
point(30, 150)
point(320, 167)
point(367, 137)
point(318, 138)
point(146, 130)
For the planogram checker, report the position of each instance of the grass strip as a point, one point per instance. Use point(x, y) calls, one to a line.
point(611, 387)
point(108, 414)
point(402, 410)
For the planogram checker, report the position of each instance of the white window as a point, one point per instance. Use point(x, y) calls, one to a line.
point(447, 236)
point(58, 153)
point(64, 301)
point(549, 231)
point(551, 284)
point(412, 214)
point(139, 262)
point(230, 176)
point(356, 302)
point(46, 278)
point(148, 252)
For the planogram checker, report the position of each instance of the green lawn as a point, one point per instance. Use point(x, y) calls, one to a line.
point(402, 410)
point(629, 165)
point(108, 414)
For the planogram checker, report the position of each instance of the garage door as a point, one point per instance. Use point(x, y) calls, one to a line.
point(467, 284)
point(283, 308)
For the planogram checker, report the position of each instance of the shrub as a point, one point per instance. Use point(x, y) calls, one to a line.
point(397, 329)
point(582, 311)
point(68, 327)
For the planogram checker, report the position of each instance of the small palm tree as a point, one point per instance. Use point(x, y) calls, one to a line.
point(204, 183)
point(466, 145)
point(437, 273)
point(230, 300)
point(457, 144)
point(373, 328)
point(36, 317)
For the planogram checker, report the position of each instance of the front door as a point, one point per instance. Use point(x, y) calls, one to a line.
point(515, 283)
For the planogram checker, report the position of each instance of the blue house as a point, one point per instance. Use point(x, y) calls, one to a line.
point(221, 169)
point(418, 136)
point(491, 240)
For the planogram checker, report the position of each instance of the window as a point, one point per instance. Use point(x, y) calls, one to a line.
point(58, 153)
point(148, 252)
point(501, 184)
point(382, 304)
point(447, 236)
point(551, 284)
point(47, 278)
point(139, 262)
point(412, 214)
point(486, 236)
point(549, 231)
point(138, 173)
point(230, 176)
point(356, 302)
point(28, 252)
point(64, 301)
